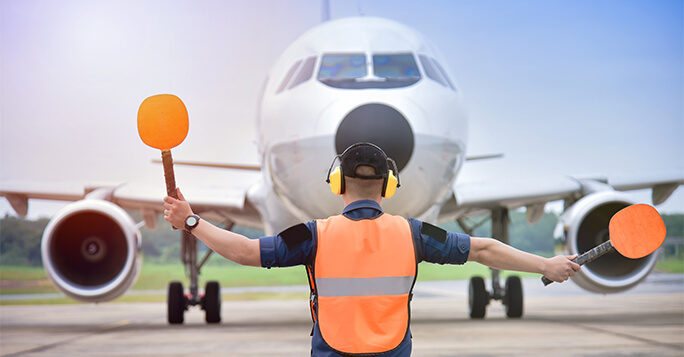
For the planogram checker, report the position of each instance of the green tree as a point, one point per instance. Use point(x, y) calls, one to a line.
point(674, 224)
point(537, 238)
point(20, 241)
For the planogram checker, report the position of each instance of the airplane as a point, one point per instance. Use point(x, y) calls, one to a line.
point(343, 81)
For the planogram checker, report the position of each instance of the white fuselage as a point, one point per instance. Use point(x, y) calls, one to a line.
point(308, 114)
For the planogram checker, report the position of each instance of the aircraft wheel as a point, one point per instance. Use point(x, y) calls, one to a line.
point(212, 302)
point(176, 303)
point(478, 298)
point(514, 297)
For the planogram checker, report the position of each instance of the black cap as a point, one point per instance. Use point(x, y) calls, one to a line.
point(364, 154)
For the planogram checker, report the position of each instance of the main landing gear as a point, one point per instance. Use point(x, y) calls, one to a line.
point(178, 302)
point(511, 295)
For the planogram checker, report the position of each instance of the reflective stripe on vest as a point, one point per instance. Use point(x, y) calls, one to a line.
point(364, 272)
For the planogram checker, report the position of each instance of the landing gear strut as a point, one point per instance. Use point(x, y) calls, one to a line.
point(178, 302)
point(511, 295)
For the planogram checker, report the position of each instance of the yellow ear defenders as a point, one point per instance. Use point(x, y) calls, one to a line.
point(336, 181)
point(389, 187)
point(336, 176)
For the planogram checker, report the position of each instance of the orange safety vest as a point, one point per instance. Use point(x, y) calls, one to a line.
point(364, 271)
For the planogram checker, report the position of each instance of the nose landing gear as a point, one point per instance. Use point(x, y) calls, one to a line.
point(511, 295)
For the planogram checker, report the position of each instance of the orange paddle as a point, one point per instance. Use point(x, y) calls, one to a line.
point(163, 124)
point(635, 232)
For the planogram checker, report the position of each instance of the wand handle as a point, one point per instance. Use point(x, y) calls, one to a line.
point(587, 257)
point(169, 176)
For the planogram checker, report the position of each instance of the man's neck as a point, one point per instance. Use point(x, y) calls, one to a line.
point(347, 198)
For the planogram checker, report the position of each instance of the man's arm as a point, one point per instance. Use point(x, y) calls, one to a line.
point(494, 254)
point(230, 245)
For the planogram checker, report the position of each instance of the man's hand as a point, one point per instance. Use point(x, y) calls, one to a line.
point(176, 210)
point(560, 268)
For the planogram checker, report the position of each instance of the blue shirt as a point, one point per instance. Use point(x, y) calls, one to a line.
point(452, 250)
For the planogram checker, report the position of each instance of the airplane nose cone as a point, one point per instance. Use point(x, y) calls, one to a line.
point(381, 125)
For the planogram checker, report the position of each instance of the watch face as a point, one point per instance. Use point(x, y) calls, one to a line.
point(191, 221)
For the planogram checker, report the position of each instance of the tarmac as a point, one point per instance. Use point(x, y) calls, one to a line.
point(559, 320)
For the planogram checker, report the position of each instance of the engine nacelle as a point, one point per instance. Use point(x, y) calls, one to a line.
point(91, 250)
point(585, 225)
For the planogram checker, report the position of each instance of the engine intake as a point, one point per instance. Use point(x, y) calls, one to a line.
point(584, 226)
point(91, 251)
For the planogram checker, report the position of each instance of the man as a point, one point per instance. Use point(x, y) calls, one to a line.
point(362, 264)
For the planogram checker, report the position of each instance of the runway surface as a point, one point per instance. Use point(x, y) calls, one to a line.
point(561, 320)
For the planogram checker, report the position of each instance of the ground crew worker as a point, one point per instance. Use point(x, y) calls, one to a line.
point(362, 264)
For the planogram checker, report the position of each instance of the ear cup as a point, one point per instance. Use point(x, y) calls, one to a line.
point(336, 181)
point(390, 185)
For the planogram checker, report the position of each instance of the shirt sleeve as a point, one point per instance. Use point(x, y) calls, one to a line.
point(435, 245)
point(275, 252)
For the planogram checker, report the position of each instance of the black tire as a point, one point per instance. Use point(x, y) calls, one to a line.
point(514, 297)
point(175, 301)
point(212, 302)
point(478, 298)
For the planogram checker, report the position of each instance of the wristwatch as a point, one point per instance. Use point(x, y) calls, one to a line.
point(191, 222)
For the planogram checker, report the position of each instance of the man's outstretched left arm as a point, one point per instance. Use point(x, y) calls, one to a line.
point(497, 255)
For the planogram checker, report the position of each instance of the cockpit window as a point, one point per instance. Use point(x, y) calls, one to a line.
point(342, 67)
point(395, 67)
point(444, 75)
point(435, 71)
point(351, 71)
point(431, 71)
point(288, 76)
point(305, 72)
point(301, 73)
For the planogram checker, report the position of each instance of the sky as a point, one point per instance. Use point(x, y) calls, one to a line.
point(584, 87)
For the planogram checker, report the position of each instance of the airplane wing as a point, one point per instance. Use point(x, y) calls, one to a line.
point(662, 184)
point(218, 195)
point(477, 197)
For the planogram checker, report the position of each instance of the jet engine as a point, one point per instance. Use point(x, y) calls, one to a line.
point(91, 250)
point(585, 225)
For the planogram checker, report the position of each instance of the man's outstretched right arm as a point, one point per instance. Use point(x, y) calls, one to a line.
point(230, 245)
